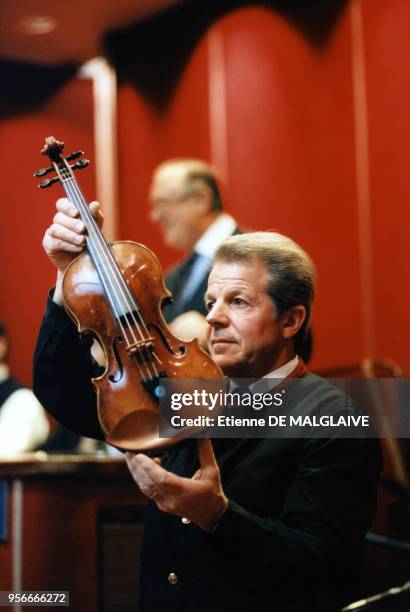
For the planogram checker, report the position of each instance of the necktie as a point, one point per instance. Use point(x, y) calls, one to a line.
point(183, 276)
point(239, 394)
point(198, 268)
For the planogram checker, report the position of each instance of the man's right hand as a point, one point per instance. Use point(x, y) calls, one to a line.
point(65, 238)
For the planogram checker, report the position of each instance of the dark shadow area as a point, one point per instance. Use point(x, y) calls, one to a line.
point(314, 20)
point(26, 87)
point(152, 54)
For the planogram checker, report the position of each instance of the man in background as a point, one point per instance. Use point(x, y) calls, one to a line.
point(23, 421)
point(187, 204)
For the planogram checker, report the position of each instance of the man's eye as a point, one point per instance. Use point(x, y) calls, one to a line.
point(238, 301)
point(209, 304)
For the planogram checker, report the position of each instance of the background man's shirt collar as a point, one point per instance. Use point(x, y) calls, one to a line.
point(223, 227)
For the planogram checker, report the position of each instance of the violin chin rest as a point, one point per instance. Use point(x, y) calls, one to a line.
point(138, 432)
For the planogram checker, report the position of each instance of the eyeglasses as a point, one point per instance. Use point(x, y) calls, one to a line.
point(164, 203)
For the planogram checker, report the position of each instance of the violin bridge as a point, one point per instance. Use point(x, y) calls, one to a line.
point(141, 345)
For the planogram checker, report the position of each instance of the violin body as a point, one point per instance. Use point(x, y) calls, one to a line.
point(128, 414)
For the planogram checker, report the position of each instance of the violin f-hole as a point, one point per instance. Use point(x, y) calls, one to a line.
point(116, 378)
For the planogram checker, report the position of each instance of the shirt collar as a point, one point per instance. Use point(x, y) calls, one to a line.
point(223, 227)
point(279, 374)
point(285, 370)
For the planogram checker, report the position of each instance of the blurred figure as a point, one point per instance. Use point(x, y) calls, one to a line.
point(23, 421)
point(186, 202)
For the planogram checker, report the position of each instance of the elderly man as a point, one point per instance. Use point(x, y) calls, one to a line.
point(235, 525)
point(187, 204)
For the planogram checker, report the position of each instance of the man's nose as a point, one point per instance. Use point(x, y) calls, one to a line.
point(217, 316)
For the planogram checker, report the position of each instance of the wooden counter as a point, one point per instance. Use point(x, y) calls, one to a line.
point(72, 523)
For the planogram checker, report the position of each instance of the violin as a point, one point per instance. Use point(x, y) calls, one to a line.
point(116, 293)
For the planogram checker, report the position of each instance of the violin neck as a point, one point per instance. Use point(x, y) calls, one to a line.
point(119, 297)
point(94, 235)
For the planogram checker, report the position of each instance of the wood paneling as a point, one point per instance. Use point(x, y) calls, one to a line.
point(73, 511)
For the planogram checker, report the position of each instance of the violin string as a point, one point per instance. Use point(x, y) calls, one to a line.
point(118, 277)
point(93, 244)
point(103, 253)
point(94, 234)
point(104, 280)
point(144, 360)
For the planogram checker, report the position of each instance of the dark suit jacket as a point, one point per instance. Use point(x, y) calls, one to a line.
point(7, 388)
point(175, 281)
point(291, 538)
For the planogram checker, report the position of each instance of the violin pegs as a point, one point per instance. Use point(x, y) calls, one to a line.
point(83, 163)
point(43, 171)
point(74, 155)
point(48, 182)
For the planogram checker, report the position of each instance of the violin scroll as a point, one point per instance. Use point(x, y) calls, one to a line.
point(53, 149)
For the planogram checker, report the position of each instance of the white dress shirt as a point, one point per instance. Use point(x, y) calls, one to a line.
point(223, 227)
point(23, 421)
point(279, 374)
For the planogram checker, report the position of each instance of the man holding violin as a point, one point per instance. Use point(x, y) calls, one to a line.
point(234, 525)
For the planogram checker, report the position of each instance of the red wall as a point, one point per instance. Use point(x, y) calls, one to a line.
point(291, 163)
point(148, 136)
point(26, 275)
point(315, 146)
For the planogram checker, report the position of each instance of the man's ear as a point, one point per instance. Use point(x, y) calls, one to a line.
point(293, 320)
point(205, 198)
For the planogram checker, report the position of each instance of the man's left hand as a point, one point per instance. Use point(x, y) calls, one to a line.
point(190, 325)
point(200, 499)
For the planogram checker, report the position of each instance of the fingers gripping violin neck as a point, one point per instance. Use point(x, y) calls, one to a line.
point(116, 293)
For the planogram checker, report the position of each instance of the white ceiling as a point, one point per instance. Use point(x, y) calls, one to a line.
point(54, 31)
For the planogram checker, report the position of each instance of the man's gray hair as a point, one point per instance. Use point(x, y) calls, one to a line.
point(197, 175)
point(292, 274)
